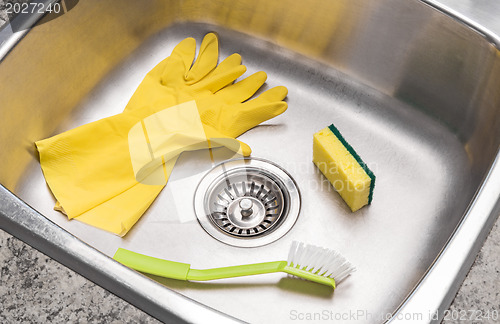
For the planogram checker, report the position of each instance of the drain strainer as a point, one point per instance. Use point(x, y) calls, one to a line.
point(247, 202)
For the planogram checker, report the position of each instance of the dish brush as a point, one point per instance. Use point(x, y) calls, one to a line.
point(308, 262)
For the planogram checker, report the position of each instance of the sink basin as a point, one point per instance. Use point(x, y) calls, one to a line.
point(412, 86)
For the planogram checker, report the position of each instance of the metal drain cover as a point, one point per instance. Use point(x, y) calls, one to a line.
point(247, 202)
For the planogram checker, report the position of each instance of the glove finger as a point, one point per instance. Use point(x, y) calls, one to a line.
point(159, 69)
point(251, 113)
point(220, 80)
point(252, 118)
point(242, 90)
point(229, 63)
point(245, 149)
point(240, 147)
point(275, 94)
point(218, 139)
point(177, 64)
point(206, 61)
point(217, 75)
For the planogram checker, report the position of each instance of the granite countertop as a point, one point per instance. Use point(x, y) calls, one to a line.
point(35, 288)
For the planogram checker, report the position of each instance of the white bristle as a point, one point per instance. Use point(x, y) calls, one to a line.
point(318, 260)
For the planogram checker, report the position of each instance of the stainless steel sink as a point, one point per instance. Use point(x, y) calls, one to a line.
point(412, 86)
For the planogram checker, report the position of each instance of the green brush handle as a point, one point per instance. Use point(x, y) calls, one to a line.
point(183, 271)
point(236, 271)
point(155, 266)
point(254, 269)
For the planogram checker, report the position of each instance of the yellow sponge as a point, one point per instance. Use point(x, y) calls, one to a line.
point(343, 167)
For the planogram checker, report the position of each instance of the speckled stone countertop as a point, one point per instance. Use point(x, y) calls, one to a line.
point(36, 289)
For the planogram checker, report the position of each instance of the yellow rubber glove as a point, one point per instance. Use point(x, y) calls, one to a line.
point(94, 163)
point(124, 207)
point(118, 212)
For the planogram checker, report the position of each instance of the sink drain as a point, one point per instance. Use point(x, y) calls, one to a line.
point(249, 207)
point(247, 202)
